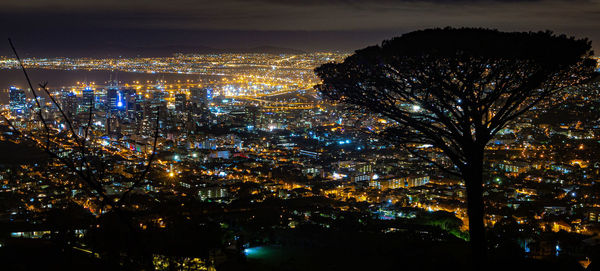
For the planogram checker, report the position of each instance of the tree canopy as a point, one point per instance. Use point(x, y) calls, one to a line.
point(455, 89)
point(449, 87)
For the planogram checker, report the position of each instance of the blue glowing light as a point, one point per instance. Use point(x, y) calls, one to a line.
point(119, 99)
point(258, 252)
point(209, 94)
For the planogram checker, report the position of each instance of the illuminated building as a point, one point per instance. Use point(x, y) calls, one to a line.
point(200, 96)
point(87, 102)
point(394, 183)
point(69, 104)
point(180, 101)
point(212, 193)
point(17, 100)
point(115, 99)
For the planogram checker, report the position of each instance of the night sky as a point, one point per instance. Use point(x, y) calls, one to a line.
point(79, 27)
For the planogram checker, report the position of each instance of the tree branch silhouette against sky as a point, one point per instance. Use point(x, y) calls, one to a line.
point(454, 89)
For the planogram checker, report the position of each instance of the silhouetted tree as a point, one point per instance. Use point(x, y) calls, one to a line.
point(455, 89)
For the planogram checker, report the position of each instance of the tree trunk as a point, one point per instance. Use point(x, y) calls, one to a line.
point(475, 208)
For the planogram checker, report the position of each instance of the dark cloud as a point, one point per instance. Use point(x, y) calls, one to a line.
point(306, 24)
point(386, 2)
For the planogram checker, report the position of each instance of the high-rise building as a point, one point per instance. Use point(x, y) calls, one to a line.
point(87, 100)
point(17, 100)
point(137, 107)
point(159, 95)
point(69, 104)
point(112, 98)
point(180, 101)
point(118, 99)
point(200, 96)
point(132, 103)
point(152, 107)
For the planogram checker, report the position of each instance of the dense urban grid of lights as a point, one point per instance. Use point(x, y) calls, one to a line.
point(259, 121)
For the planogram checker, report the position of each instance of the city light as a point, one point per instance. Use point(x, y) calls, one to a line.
point(243, 146)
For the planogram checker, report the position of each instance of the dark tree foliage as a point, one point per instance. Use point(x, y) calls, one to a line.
point(455, 89)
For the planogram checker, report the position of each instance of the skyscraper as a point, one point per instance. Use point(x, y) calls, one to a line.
point(87, 99)
point(180, 101)
point(69, 104)
point(132, 103)
point(17, 100)
point(200, 96)
point(116, 99)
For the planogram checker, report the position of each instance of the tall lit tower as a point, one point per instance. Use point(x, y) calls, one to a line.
point(87, 101)
point(200, 96)
point(17, 100)
point(180, 101)
point(116, 100)
point(69, 104)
